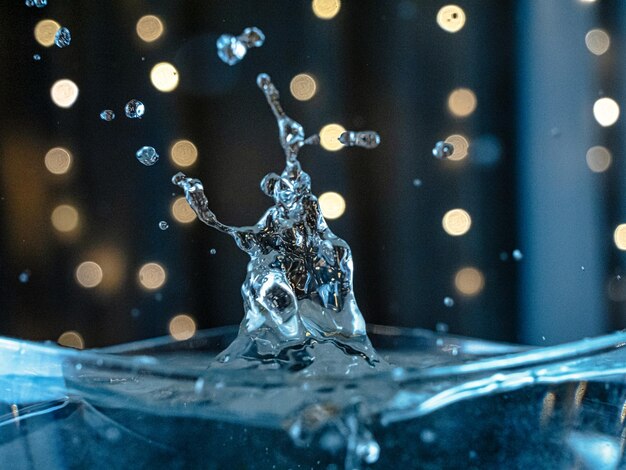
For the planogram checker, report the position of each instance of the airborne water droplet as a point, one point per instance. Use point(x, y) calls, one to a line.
point(36, 3)
point(24, 276)
point(212, 251)
point(107, 115)
point(134, 109)
point(63, 37)
point(365, 139)
point(448, 301)
point(36, 57)
point(147, 155)
point(417, 182)
point(517, 255)
point(441, 327)
point(442, 150)
point(163, 225)
point(231, 49)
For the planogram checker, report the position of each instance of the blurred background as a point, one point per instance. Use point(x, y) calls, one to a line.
point(518, 236)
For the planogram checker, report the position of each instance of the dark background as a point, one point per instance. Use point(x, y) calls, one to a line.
point(383, 65)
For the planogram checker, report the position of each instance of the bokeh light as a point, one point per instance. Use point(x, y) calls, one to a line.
point(456, 222)
point(65, 218)
point(64, 93)
point(89, 274)
point(469, 281)
point(332, 204)
point(164, 77)
point(45, 31)
point(619, 237)
point(597, 41)
point(606, 111)
point(152, 276)
point(182, 327)
point(71, 339)
point(598, 159)
point(326, 9)
point(183, 153)
point(182, 211)
point(329, 137)
point(462, 102)
point(113, 263)
point(461, 146)
point(149, 28)
point(303, 87)
point(58, 160)
point(451, 18)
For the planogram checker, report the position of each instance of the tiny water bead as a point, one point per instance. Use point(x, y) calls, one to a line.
point(36, 3)
point(442, 150)
point(147, 155)
point(134, 109)
point(107, 115)
point(417, 182)
point(63, 37)
point(231, 49)
point(212, 251)
point(163, 225)
point(517, 255)
point(36, 57)
point(24, 276)
point(448, 301)
point(441, 327)
point(365, 139)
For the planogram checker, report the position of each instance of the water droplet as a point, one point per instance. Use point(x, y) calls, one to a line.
point(36, 3)
point(368, 451)
point(212, 251)
point(163, 225)
point(442, 150)
point(36, 57)
point(24, 276)
point(135, 312)
point(134, 109)
point(417, 182)
point(582, 268)
point(441, 327)
point(365, 139)
point(448, 301)
point(198, 386)
point(428, 436)
point(439, 342)
point(618, 277)
point(63, 37)
point(504, 256)
point(543, 338)
point(517, 255)
point(231, 49)
point(147, 155)
point(107, 115)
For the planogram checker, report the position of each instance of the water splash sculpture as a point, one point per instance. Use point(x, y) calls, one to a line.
point(298, 290)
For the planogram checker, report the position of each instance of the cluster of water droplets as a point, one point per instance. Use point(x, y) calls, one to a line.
point(231, 49)
point(36, 3)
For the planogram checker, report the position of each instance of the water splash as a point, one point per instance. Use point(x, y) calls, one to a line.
point(134, 109)
point(147, 155)
point(63, 37)
point(298, 291)
point(232, 49)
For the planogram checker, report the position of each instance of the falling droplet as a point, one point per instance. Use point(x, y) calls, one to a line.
point(134, 109)
point(442, 150)
point(441, 327)
point(163, 225)
point(36, 3)
point(448, 301)
point(107, 115)
point(24, 276)
point(365, 139)
point(417, 182)
point(517, 255)
point(147, 155)
point(231, 49)
point(63, 37)
point(212, 251)
point(36, 57)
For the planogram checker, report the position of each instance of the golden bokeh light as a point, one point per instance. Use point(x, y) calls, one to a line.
point(150, 28)
point(111, 259)
point(45, 31)
point(152, 276)
point(456, 222)
point(469, 281)
point(65, 218)
point(89, 274)
point(183, 153)
point(64, 93)
point(182, 327)
point(451, 18)
point(164, 77)
point(598, 41)
point(332, 204)
point(71, 339)
point(598, 159)
point(462, 102)
point(58, 160)
point(619, 237)
point(303, 87)
point(326, 9)
point(461, 146)
point(329, 137)
point(182, 211)
point(606, 111)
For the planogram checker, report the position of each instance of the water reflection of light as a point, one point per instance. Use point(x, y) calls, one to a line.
point(456, 222)
point(460, 144)
point(451, 18)
point(332, 204)
point(329, 137)
point(65, 218)
point(183, 153)
point(598, 159)
point(181, 211)
point(164, 77)
point(606, 111)
point(45, 31)
point(580, 394)
point(619, 237)
point(58, 160)
point(64, 93)
point(89, 274)
point(182, 327)
point(71, 339)
point(597, 41)
point(547, 408)
point(326, 9)
point(152, 276)
point(462, 102)
point(303, 87)
point(149, 28)
point(469, 281)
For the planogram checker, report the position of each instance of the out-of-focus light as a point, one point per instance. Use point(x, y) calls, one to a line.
point(303, 87)
point(182, 327)
point(451, 18)
point(579, 394)
point(606, 111)
point(329, 137)
point(462, 102)
point(113, 263)
point(469, 281)
point(149, 28)
point(58, 160)
point(152, 276)
point(71, 339)
point(619, 237)
point(89, 274)
point(333, 205)
point(45, 31)
point(597, 41)
point(164, 77)
point(65, 218)
point(182, 212)
point(64, 93)
point(598, 159)
point(547, 408)
point(460, 144)
point(456, 222)
point(183, 153)
point(326, 9)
